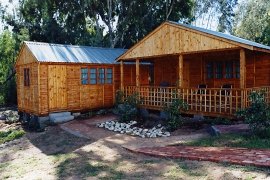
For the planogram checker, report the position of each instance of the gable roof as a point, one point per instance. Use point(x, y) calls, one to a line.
point(187, 39)
point(223, 35)
point(49, 52)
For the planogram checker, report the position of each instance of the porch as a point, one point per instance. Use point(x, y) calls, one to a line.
point(207, 101)
point(214, 83)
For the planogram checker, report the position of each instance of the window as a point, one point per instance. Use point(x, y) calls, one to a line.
point(219, 71)
point(84, 76)
point(109, 76)
point(229, 70)
point(101, 75)
point(237, 69)
point(93, 76)
point(96, 76)
point(26, 75)
point(210, 70)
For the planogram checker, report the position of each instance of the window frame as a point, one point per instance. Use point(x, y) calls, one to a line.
point(94, 73)
point(26, 77)
point(109, 78)
point(87, 76)
point(101, 80)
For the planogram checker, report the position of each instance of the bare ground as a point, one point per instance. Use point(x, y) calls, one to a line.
point(56, 154)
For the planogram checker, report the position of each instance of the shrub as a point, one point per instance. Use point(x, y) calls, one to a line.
point(173, 111)
point(10, 135)
point(126, 108)
point(257, 115)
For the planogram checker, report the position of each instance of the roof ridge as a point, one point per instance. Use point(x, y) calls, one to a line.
point(69, 45)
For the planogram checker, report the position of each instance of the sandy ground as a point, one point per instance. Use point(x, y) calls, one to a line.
point(56, 154)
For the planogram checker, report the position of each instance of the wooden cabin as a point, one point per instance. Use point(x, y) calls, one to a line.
point(214, 73)
point(56, 78)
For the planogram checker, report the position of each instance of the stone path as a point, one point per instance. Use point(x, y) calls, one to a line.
point(161, 146)
point(241, 156)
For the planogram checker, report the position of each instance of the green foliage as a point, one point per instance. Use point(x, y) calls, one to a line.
point(119, 97)
point(127, 108)
point(223, 10)
point(173, 110)
point(10, 135)
point(232, 140)
point(253, 21)
point(7, 56)
point(219, 121)
point(257, 115)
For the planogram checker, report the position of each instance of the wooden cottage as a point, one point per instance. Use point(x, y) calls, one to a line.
point(58, 78)
point(212, 72)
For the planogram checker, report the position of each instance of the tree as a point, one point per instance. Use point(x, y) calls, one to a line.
point(55, 21)
point(223, 10)
point(133, 19)
point(7, 57)
point(253, 21)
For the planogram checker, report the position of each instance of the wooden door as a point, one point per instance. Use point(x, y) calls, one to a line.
point(57, 87)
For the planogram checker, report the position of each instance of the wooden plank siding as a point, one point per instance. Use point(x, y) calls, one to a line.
point(169, 39)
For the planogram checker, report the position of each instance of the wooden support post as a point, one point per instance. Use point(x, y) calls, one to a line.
point(180, 70)
point(137, 73)
point(242, 68)
point(242, 76)
point(121, 76)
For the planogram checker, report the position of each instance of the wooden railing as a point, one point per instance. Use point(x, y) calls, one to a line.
point(210, 101)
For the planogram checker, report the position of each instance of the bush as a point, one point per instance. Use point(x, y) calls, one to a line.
point(126, 108)
point(257, 115)
point(10, 135)
point(173, 111)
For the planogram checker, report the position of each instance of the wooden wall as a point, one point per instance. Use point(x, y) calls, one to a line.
point(165, 70)
point(61, 88)
point(173, 39)
point(262, 69)
point(27, 96)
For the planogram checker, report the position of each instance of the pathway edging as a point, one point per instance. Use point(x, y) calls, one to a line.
point(240, 156)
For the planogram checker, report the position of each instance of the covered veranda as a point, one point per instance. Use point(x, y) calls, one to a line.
point(213, 81)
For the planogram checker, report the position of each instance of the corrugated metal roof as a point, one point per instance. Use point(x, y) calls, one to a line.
point(48, 52)
point(223, 35)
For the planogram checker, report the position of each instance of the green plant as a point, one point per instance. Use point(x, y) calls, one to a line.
point(127, 109)
point(173, 110)
point(10, 135)
point(257, 115)
point(119, 97)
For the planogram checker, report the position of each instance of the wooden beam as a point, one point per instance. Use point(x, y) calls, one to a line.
point(242, 68)
point(121, 75)
point(137, 72)
point(180, 70)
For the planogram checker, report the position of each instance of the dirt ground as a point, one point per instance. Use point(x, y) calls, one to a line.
point(56, 154)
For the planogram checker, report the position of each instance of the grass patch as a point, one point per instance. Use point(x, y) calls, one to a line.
point(232, 140)
point(10, 135)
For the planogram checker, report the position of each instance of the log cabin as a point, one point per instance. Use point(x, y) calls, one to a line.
point(213, 72)
point(58, 78)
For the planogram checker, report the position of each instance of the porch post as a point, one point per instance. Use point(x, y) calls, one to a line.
point(242, 68)
point(180, 70)
point(243, 77)
point(137, 73)
point(121, 76)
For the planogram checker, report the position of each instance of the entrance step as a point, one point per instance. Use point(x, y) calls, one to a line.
point(61, 117)
point(59, 114)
